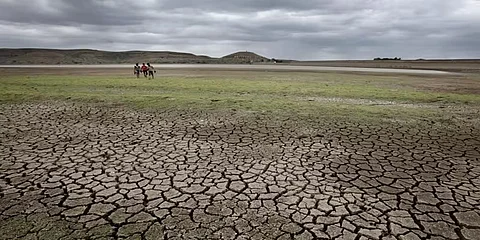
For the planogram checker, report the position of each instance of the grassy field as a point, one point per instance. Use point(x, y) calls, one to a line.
point(337, 95)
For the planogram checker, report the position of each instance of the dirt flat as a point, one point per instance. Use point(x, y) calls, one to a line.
point(76, 171)
point(269, 67)
point(73, 170)
point(459, 65)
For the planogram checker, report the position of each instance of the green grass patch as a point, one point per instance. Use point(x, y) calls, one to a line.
point(302, 93)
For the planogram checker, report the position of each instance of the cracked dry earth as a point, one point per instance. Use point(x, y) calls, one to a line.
point(72, 171)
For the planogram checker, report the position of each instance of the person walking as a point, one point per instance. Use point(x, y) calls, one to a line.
point(151, 70)
point(136, 70)
point(144, 70)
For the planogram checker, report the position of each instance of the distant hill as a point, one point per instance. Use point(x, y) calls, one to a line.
point(245, 57)
point(88, 56)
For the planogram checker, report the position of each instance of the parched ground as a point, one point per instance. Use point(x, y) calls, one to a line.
point(79, 171)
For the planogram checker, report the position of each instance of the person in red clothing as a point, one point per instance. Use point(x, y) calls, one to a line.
point(145, 70)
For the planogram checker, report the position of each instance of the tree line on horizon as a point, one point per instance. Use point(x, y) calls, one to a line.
point(395, 58)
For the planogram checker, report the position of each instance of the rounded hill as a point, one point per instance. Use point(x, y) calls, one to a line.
point(245, 57)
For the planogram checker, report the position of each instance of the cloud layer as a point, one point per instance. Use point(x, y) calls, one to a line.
point(307, 29)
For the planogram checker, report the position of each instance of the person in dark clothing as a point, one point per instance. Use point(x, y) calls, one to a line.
point(136, 70)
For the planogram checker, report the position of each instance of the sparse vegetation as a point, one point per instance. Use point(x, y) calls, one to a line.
point(341, 95)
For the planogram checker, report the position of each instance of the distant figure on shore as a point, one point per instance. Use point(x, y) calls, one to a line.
point(136, 70)
point(144, 70)
point(151, 70)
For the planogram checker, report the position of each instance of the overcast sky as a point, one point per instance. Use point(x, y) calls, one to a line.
point(293, 29)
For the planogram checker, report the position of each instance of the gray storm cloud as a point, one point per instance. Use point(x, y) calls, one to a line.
point(307, 29)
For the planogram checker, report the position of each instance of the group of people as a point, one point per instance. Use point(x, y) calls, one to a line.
point(147, 70)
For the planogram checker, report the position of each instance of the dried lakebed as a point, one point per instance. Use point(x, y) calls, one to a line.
point(247, 67)
point(77, 171)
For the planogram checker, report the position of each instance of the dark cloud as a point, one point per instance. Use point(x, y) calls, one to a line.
point(307, 29)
